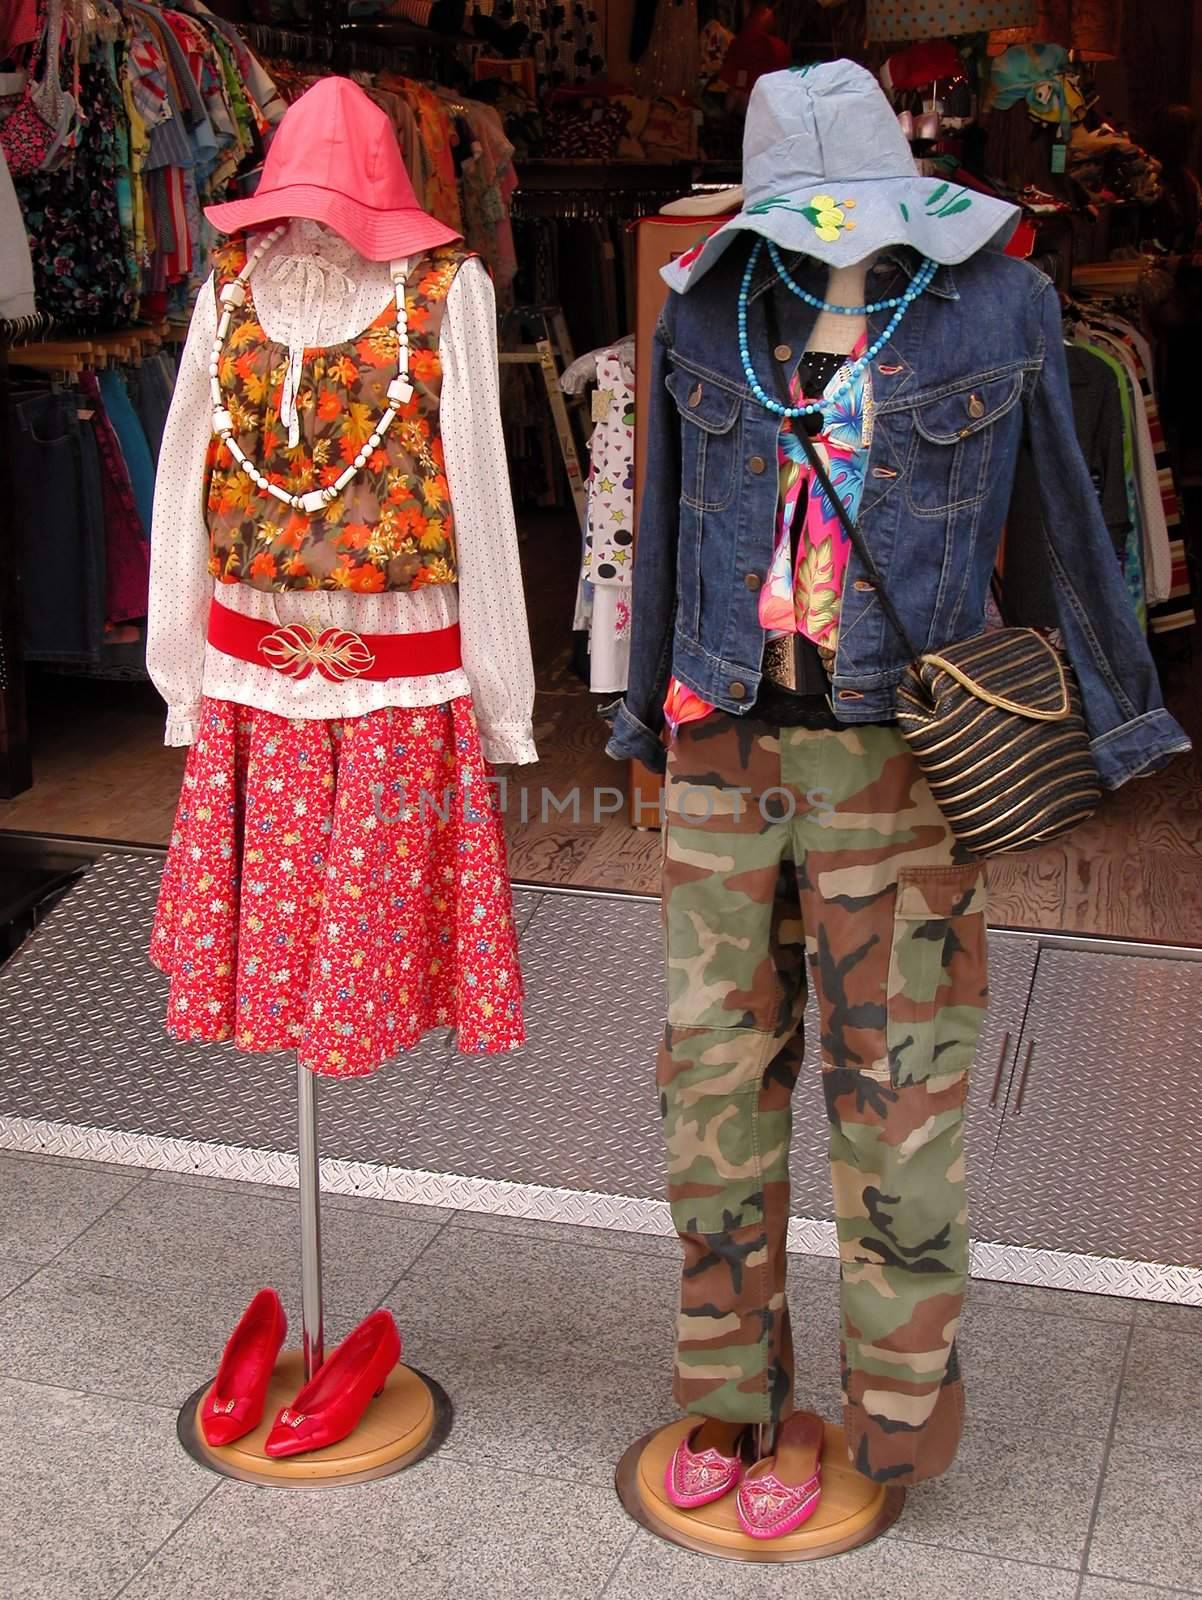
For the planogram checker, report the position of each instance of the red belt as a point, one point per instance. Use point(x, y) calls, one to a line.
point(298, 648)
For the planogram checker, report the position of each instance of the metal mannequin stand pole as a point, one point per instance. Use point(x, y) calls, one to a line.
point(406, 1421)
point(312, 1318)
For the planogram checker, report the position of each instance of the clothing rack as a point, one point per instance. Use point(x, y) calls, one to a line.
point(598, 191)
point(394, 33)
point(294, 44)
point(17, 330)
point(364, 46)
point(92, 351)
point(1111, 277)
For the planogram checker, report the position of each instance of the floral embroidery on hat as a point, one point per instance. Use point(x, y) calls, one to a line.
point(690, 255)
point(827, 215)
point(945, 201)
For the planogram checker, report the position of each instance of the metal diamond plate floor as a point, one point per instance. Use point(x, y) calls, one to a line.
point(566, 1127)
point(82, 1039)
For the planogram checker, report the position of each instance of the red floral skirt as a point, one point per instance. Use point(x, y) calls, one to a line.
point(338, 887)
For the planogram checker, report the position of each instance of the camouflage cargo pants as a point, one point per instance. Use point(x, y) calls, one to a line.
point(786, 849)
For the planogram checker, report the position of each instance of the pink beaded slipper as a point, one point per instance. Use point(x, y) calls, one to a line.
point(781, 1492)
point(699, 1477)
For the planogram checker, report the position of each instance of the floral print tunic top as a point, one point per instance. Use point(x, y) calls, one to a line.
point(393, 526)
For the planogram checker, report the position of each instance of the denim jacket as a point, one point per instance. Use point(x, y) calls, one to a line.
point(977, 359)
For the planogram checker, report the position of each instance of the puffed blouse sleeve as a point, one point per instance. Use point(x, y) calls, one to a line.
point(180, 585)
point(492, 605)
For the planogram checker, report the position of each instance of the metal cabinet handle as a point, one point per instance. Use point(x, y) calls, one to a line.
point(1022, 1082)
point(1001, 1067)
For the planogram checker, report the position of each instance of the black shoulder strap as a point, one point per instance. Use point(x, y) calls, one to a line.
point(820, 472)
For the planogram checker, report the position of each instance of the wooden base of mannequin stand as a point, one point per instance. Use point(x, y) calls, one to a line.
point(853, 1510)
point(401, 1426)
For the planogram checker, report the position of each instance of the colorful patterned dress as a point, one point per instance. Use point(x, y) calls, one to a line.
point(337, 884)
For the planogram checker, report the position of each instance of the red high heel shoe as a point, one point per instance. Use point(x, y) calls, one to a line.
point(233, 1407)
point(332, 1403)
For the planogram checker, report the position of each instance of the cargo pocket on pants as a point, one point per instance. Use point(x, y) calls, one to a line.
point(938, 972)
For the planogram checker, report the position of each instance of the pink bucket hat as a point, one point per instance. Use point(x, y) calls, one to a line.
point(335, 159)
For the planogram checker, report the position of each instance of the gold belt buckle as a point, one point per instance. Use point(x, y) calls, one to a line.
point(297, 649)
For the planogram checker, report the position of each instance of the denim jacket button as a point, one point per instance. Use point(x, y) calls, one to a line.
point(737, 690)
point(976, 406)
point(850, 694)
point(864, 587)
point(783, 352)
point(756, 464)
point(752, 581)
point(695, 396)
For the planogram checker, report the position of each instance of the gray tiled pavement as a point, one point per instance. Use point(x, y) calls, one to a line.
point(1079, 1477)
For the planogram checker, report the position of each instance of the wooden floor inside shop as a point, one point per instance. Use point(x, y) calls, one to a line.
point(1134, 871)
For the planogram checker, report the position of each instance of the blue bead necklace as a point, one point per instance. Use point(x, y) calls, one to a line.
point(918, 284)
point(819, 304)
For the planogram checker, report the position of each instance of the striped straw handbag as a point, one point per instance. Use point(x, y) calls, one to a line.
point(994, 722)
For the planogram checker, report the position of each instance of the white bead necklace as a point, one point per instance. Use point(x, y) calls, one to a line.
point(400, 390)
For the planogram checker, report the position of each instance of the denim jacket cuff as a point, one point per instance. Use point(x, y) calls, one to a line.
point(632, 740)
point(1142, 745)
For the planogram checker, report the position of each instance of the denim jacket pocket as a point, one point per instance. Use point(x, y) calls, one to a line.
point(952, 443)
point(709, 439)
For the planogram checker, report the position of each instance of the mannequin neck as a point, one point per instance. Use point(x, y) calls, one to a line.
point(845, 286)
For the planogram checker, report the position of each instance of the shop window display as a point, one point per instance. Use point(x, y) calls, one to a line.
point(914, 381)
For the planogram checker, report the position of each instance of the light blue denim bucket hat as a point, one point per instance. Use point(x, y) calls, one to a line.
point(827, 172)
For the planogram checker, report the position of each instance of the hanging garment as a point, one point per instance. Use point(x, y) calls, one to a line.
point(139, 463)
point(16, 266)
point(1041, 77)
point(566, 42)
point(902, 20)
point(59, 518)
point(1176, 609)
point(127, 556)
point(338, 888)
point(440, 197)
point(73, 220)
point(671, 62)
point(826, 849)
point(607, 564)
point(1133, 552)
point(28, 115)
point(1098, 412)
point(150, 388)
point(1158, 560)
